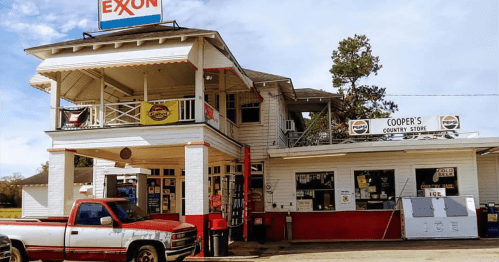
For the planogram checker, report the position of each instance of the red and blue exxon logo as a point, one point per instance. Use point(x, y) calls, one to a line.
point(124, 13)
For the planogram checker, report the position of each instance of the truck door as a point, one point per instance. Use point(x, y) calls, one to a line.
point(87, 239)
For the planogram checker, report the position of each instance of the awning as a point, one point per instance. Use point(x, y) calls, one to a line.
point(119, 57)
point(215, 60)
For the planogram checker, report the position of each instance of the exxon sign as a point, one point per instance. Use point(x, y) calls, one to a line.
point(124, 13)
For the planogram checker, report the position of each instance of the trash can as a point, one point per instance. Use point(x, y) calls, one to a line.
point(219, 237)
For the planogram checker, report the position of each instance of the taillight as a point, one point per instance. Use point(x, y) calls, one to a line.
point(174, 236)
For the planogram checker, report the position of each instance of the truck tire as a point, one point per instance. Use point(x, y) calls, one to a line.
point(18, 255)
point(146, 253)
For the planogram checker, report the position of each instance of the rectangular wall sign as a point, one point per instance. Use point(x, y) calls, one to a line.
point(124, 13)
point(381, 126)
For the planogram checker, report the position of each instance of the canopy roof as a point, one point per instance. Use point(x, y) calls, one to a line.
point(168, 55)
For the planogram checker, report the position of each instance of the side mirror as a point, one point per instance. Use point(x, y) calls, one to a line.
point(106, 221)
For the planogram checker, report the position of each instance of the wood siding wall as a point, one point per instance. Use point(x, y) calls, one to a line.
point(488, 178)
point(35, 200)
point(262, 136)
point(280, 174)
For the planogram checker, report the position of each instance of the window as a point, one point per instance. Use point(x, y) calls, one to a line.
point(90, 214)
point(257, 168)
point(374, 189)
point(437, 178)
point(217, 102)
point(169, 172)
point(216, 170)
point(250, 113)
point(315, 191)
point(239, 168)
point(155, 172)
point(231, 107)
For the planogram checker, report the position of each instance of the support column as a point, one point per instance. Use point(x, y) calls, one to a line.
point(199, 83)
point(248, 206)
point(330, 128)
point(222, 99)
point(55, 102)
point(102, 109)
point(196, 189)
point(61, 181)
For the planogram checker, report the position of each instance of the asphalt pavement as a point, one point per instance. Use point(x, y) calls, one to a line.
point(386, 251)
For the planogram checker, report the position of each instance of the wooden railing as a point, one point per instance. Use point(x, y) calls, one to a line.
point(128, 114)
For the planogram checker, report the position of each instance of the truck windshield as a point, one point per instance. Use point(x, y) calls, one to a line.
point(128, 212)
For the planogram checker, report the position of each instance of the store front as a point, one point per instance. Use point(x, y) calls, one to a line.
point(349, 192)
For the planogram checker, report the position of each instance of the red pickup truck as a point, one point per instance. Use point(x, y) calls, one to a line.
point(101, 230)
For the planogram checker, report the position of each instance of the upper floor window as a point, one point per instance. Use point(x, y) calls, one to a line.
point(250, 113)
point(231, 107)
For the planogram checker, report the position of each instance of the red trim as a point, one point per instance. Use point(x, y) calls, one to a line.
point(201, 223)
point(173, 217)
point(55, 150)
point(197, 143)
point(247, 190)
point(45, 253)
point(96, 253)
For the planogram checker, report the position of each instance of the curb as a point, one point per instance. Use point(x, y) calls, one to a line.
point(238, 258)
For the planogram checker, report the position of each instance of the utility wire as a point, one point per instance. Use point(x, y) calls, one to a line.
point(446, 95)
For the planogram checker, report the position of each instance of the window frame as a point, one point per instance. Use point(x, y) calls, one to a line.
point(334, 189)
point(243, 108)
point(456, 170)
point(373, 168)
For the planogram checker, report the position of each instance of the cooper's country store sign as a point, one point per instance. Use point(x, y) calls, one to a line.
point(382, 126)
point(123, 13)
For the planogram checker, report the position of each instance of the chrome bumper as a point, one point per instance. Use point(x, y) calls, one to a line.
point(172, 255)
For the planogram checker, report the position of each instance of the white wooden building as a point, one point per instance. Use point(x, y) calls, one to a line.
point(220, 111)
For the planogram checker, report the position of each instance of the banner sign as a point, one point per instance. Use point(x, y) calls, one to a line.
point(381, 126)
point(158, 114)
point(123, 13)
point(212, 116)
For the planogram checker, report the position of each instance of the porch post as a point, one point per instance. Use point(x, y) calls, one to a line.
point(55, 102)
point(199, 78)
point(145, 87)
point(196, 189)
point(102, 86)
point(61, 181)
point(222, 100)
point(329, 116)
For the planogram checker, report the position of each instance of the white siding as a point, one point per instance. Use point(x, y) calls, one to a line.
point(221, 143)
point(262, 136)
point(280, 174)
point(35, 200)
point(100, 167)
point(488, 178)
point(122, 137)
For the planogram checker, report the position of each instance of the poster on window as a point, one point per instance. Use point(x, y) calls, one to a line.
point(304, 205)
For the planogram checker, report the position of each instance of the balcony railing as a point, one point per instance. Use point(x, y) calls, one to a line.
point(128, 114)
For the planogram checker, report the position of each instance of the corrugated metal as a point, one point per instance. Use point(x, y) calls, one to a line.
point(280, 174)
point(124, 56)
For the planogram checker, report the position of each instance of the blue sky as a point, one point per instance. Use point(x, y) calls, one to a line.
point(425, 47)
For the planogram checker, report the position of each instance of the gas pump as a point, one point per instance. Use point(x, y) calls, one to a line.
point(492, 224)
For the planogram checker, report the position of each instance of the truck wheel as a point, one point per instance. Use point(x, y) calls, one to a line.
point(146, 253)
point(17, 255)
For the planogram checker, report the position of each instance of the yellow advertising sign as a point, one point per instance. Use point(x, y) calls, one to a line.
point(158, 114)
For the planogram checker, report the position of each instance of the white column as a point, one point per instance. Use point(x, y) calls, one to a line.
point(199, 83)
point(102, 109)
point(196, 179)
point(55, 102)
point(222, 100)
point(145, 87)
point(61, 182)
point(99, 178)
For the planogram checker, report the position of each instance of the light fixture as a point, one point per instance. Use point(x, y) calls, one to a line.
point(313, 156)
point(208, 77)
